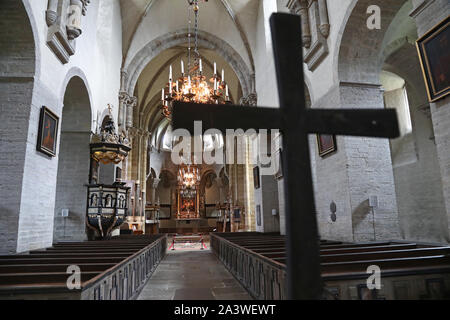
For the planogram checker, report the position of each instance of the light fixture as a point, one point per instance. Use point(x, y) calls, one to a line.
point(188, 181)
point(193, 85)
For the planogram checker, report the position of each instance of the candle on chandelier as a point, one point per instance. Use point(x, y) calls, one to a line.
point(226, 91)
point(189, 81)
point(223, 75)
point(170, 73)
point(200, 65)
point(215, 68)
point(177, 86)
point(162, 94)
point(182, 67)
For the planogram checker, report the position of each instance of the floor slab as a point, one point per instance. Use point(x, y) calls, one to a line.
point(192, 275)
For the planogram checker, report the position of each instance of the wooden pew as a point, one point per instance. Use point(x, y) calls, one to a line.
point(111, 269)
point(343, 266)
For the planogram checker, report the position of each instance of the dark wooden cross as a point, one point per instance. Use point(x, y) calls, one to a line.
point(295, 122)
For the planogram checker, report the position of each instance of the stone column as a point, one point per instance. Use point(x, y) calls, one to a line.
point(123, 96)
point(154, 185)
point(143, 162)
point(126, 108)
point(249, 188)
point(132, 103)
point(221, 187)
point(133, 156)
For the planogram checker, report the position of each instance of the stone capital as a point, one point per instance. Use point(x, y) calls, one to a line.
point(250, 100)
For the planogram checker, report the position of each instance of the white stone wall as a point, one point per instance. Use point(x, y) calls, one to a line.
point(427, 14)
point(99, 66)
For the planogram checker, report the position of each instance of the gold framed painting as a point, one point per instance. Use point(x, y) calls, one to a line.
point(434, 54)
point(326, 144)
point(48, 132)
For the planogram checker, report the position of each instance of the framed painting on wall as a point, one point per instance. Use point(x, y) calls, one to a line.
point(47, 132)
point(434, 54)
point(256, 180)
point(258, 215)
point(326, 144)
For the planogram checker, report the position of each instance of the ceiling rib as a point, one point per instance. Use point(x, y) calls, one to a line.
point(230, 12)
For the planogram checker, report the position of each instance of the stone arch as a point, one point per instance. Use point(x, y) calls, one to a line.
point(73, 160)
point(206, 40)
point(165, 187)
point(20, 65)
point(359, 50)
point(18, 54)
point(76, 72)
point(210, 189)
point(209, 174)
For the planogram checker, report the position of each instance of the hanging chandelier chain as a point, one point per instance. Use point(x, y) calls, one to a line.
point(189, 36)
point(196, 29)
point(193, 85)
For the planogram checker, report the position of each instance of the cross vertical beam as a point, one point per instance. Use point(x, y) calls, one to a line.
point(302, 241)
point(295, 121)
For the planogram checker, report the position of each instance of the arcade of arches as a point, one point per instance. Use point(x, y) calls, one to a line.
point(100, 79)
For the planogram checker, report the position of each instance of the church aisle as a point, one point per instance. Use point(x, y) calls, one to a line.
point(192, 275)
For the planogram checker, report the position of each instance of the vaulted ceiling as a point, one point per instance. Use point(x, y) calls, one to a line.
point(242, 13)
point(233, 21)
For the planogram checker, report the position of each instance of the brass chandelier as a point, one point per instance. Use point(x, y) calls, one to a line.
point(193, 85)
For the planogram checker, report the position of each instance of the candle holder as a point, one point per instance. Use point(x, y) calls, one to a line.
point(215, 95)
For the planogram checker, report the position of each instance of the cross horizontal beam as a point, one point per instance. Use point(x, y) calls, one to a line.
point(224, 117)
point(349, 122)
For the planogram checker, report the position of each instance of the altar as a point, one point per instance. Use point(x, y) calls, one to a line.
point(188, 201)
point(184, 226)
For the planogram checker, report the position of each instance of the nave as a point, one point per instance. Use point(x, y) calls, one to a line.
point(91, 195)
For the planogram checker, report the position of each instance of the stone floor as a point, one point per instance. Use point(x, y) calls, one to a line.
point(192, 275)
